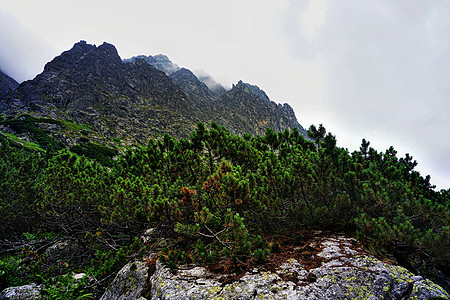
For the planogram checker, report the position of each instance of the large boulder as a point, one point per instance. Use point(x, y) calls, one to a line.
point(346, 272)
point(25, 292)
point(63, 250)
point(130, 283)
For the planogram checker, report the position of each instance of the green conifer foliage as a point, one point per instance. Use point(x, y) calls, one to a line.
point(222, 194)
point(70, 190)
point(19, 169)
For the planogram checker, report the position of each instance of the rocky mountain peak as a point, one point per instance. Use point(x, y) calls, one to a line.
point(159, 61)
point(242, 87)
point(83, 53)
point(183, 72)
point(190, 84)
point(185, 76)
point(109, 50)
point(69, 57)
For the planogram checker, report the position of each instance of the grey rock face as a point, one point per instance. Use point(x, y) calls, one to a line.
point(25, 292)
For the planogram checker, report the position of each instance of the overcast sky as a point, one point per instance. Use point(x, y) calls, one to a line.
point(374, 69)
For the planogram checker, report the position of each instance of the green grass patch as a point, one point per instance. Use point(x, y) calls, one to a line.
point(76, 127)
point(26, 144)
point(100, 153)
point(27, 123)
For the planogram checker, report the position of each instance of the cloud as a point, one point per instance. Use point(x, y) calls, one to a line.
point(385, 66)
point(210, 82)
point(23, 53)
point(313, 17)
point(372, 69)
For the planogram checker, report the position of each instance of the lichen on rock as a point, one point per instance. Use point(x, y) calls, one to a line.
point(25, 292)
point(129, 283)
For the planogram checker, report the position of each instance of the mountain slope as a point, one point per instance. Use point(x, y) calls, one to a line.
point(130, 102)
point(250, 107)
point(7, 83)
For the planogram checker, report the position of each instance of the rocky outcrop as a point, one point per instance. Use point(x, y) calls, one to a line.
point(346, 271)
point(247, 106)
point(7, 83)
point(62, 250)
point(130, 283)
point(25, 292)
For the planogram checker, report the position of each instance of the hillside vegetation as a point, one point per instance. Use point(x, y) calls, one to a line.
point(221, 196)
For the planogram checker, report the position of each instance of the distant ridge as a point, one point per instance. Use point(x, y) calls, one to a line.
point(134, 100)
point(163, 63)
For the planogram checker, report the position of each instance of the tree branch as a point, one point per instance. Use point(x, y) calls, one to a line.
point(215, 235)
